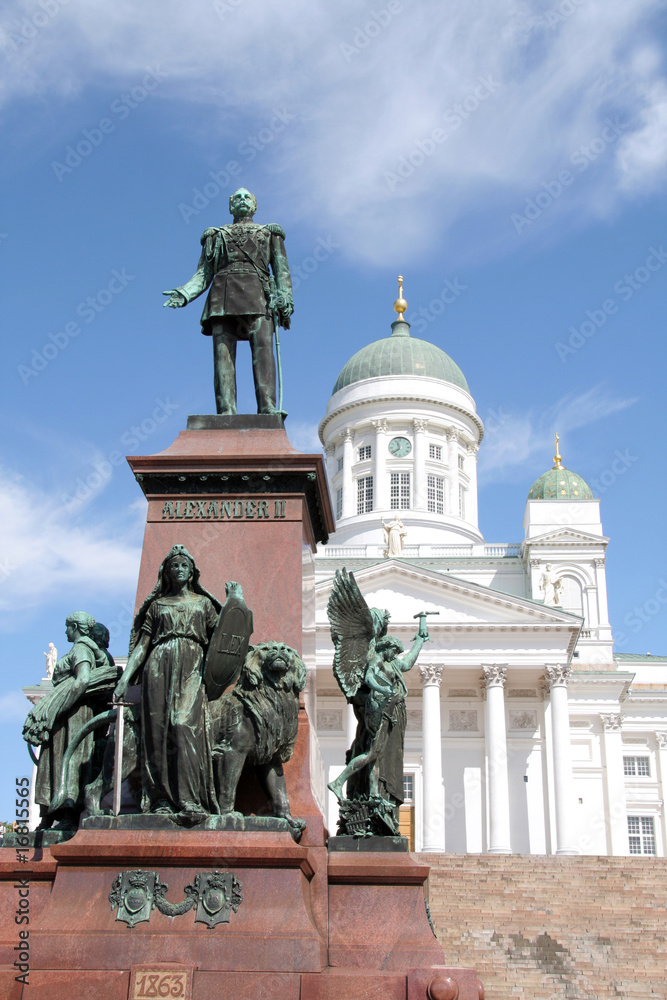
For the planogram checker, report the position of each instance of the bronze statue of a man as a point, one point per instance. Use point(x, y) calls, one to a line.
point(251, 294)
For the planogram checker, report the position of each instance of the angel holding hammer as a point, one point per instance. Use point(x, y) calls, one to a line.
point(369, 670)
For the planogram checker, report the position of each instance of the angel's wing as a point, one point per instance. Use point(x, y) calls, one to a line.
point(352, 630)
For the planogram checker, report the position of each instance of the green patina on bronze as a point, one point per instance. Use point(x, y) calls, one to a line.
point(170, 635)
point(191, 738)
point(369, 671)
point(210, 704)
point(245, 267)
point(83, 681)
point(135, 894)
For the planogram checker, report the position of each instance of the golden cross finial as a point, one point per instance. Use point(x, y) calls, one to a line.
point(400, 305)
point(557, 456)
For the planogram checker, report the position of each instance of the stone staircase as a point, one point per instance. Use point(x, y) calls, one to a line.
point(554, 928)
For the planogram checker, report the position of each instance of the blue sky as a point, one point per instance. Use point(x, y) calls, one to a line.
point(516, 150)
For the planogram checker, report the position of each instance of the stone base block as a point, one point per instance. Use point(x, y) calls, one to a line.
point(364, 845)
point(150, 821)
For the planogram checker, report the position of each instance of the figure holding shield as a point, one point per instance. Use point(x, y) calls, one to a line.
point(171, 633)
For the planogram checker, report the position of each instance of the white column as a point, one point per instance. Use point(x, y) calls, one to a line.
point(472, 514)
point(495, 736)
point(349, 498)
point(419, 501)
point(563, 783)
point(601, 583)
point(662, 778)
point(331, 463)
point(381, 479)
point(453, 477)
point(550, 813)
point(614, 785)
point(434, 792)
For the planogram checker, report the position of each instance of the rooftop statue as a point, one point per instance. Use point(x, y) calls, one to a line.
point(369, 671)
point(250, 296)
point(395, 533)
point(51, 660)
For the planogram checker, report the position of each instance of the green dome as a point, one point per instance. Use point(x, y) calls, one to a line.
point(400, 354)
point(560, 484)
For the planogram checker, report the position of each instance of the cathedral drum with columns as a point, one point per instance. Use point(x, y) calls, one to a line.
point(527, 733)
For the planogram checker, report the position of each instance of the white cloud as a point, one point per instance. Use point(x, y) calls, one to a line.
point(367, 98)
point(513, 439)
point(304, 437)
point(642, 155)
point(45, 553)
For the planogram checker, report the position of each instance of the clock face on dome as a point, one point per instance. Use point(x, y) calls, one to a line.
point(400, 447)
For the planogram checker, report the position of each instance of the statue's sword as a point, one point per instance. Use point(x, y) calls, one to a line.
point(118, 756)
point(278, 362)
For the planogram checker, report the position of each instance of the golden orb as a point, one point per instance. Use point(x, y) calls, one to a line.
point(400, 305)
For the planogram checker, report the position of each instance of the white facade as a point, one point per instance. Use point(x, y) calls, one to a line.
point(525, 733)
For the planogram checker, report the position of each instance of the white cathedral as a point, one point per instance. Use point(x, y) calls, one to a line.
point(526, 732)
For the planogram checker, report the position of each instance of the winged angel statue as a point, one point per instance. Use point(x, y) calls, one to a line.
point(369, 671)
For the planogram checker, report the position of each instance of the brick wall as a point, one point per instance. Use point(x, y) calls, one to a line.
point(554, 928)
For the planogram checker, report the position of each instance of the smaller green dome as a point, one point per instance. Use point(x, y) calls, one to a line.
point(560, 484)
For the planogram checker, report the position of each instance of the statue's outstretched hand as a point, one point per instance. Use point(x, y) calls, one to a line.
point(176, 299)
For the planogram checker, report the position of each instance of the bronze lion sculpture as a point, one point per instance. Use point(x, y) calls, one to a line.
point(257, 722)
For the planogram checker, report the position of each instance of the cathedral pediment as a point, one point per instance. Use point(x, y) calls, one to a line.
point(405, 590)
point(567, 536)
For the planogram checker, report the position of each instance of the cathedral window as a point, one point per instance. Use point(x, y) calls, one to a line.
point(399, 492)
point(435, 452)
point(436, 494)
point(339, 503)
point(340, 464)
point(364, 452)
point(641, 835)
point(364, 494)
point(636, 767)
point(461, 462)
point(462, 501)
point(571, 595)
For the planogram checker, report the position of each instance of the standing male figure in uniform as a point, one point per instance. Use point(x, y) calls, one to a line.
point(251, 291)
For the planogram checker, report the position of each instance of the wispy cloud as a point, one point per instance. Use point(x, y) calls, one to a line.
point(368, 101)
point(304, 437)
point(513, 439)
point(46, 553)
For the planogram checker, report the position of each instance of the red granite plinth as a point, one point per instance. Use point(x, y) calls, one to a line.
point(313, 925)
point(377, 916)
point(273, 931)
point(247, 505)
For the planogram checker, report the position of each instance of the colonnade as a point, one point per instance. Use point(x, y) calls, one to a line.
point(495, 736)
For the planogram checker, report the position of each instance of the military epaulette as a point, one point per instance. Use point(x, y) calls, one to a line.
point(208, 232)
point(274, 228)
